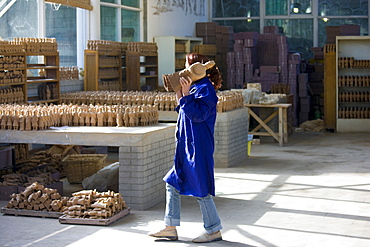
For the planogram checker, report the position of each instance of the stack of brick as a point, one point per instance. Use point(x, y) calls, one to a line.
point(222, 37)
point(242, 60)
point(294, 63)
point(304, 98)
point(283, 57)
point(268, 76)
point(318, 52)
point(333, 31)
point(231, 73)
point(316, 85)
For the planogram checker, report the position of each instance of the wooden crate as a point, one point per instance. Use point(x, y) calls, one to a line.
point(34, 213)
point(100, 222)
point(80, 166)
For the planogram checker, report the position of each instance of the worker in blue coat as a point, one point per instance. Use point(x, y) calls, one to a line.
point(193, 171)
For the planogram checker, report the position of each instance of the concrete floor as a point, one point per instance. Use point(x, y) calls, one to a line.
point(314, 191)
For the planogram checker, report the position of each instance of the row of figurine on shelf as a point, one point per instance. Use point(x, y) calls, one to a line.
point(109, 61)
point(354, 81)
point(329, 48)
point(354, 112)
point(12, 62)
point(111, 85)
point(354, 96)
point(69, 73)
point(12, 76)
point(40, 117)
point(165, 101)
point(29, 45)
point(107, 46)
point(90, 204)
point(351, 62)
point(11, 95)
point(109, 72)
point(48, 91)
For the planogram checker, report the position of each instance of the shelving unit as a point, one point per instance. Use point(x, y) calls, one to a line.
point(353, 83)
point(13, 75)
point(103, 71)
point(330, 88)
point(141, 71)
point(43, 70)
point(172, 51)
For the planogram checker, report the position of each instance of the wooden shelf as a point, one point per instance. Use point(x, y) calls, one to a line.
point(95, 64)
point(141, 71)
point(353, 116)
point(19, 78)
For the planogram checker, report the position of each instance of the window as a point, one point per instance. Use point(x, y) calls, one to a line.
point(13, 24)
point(108, 23)
point(230, 8)
point(302, 21)
point(61, 24)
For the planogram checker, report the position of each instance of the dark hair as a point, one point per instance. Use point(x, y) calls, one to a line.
point(213, 73)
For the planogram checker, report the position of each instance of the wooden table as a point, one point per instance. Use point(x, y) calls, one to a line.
point(281, 111)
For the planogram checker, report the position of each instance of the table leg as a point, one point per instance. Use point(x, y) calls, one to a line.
point(264, 125)
point(285, 121)
point(280, 127)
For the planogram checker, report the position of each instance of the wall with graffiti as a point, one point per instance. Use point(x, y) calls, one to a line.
point(162, 13)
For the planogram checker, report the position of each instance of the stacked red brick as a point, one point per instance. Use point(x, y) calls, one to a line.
point(242, 61)
point(222, 37)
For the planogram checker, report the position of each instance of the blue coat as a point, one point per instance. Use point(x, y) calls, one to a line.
point(193, 170)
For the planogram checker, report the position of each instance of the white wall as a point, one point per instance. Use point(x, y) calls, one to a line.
point(173, 19)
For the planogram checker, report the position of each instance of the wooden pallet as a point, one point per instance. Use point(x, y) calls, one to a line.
point(34, 213)
point(99, 222)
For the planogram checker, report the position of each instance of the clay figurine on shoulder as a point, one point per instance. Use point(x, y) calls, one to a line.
point(195, 72)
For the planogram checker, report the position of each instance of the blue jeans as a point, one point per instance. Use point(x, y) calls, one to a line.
point(212, 222)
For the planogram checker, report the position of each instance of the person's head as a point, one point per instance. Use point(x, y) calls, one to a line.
point(213, 73)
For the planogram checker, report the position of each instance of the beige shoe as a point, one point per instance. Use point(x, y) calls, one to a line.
point(171, 234)
point(206, 238)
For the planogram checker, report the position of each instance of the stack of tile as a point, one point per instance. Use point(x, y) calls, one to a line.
point(304, 98)
point(268, 76)
point(318, 52)
point(294, 63)
point(222, 37)
point(343, 30)
point(242, 60)
point(283, 57)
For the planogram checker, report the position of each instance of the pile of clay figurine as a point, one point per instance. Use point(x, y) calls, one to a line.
point(354, 112)
point(229, 100)
point(11, 95)
point(353, 81)
point(69, 73)
point(40, 117)
point(106, 46)
point(350, 62)
point(48, 91)
point(90, 204)
point(111, 85)
point(109, 97)
point(163, 101)
point(12, 61)
point(15, 179)
point(9, 47)
point(39, 198)
point(142, 47)
point(37, 45)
